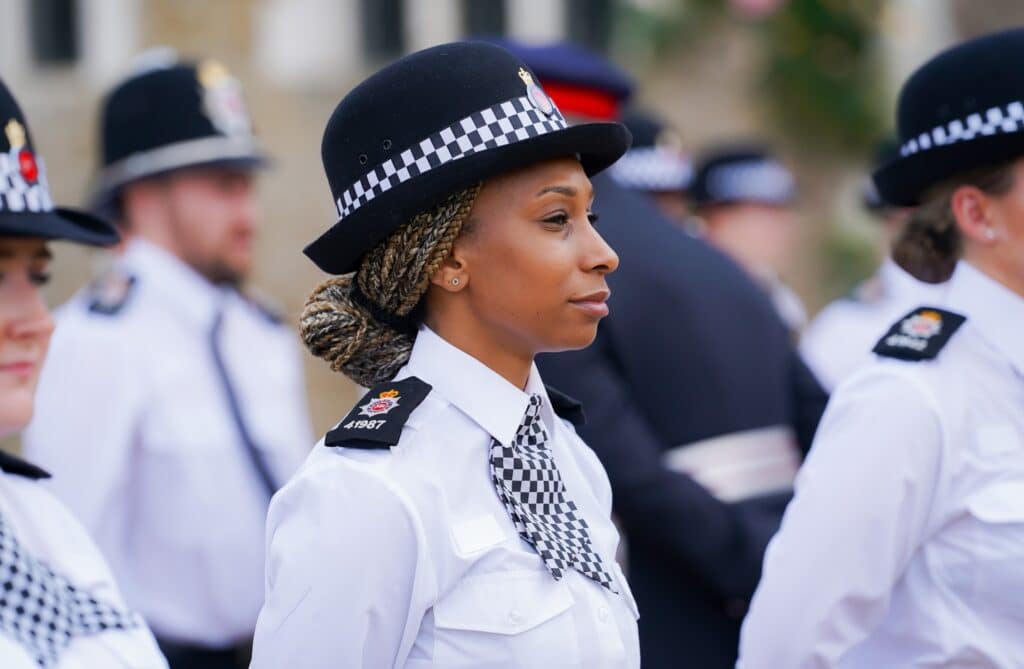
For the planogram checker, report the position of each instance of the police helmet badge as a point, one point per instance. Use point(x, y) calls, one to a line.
point(222, 99)
point(538, 97)
point(20, 154)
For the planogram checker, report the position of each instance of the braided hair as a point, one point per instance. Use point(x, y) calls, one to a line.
point(364, 323)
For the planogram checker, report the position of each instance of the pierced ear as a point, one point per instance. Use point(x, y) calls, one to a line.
point(451, 275)
point(973, 210)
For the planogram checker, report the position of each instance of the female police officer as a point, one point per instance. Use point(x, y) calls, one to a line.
point(59, 606)
point(904, 545)
point(453, 518)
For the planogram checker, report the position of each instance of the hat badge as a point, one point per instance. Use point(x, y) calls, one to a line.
point(222, 99)
point(538, 98)
point(16, 139)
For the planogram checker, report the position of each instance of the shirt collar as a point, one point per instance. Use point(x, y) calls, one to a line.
point(899, 283)
point(482, 394)
point(178, 284)
point(996, 312)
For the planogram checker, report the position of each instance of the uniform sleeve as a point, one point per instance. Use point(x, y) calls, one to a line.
point(87, 404)
point(723, 542)
point(346, 573)
point(861, 510)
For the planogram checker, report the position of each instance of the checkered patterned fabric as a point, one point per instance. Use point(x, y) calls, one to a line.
point(16, 194)
point(500, 125)
point(652, 168)
point(41, 610)
point(995, 120)
point(756, 180)
point(530, 487)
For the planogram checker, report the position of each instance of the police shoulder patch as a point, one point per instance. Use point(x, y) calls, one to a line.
point(566, 407)
point(109, 293)
point(919, 335)
point(377, 420)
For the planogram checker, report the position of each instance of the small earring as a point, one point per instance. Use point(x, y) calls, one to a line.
point(990, 234)
point(455, 281)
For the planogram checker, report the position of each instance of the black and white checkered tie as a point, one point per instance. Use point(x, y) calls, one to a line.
point(530, 487)
point(42, 610)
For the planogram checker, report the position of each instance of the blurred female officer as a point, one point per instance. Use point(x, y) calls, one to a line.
point(904, 545)
point(453, 518)
point(59, 605)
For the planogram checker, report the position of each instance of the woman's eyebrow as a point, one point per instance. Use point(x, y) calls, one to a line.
point(568, 191)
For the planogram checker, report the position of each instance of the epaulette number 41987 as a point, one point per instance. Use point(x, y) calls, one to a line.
point(364, 424)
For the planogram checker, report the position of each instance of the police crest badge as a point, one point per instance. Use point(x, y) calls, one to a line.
point(377, 421)
point(223, 103)
point(538, 98)
point(919, 335)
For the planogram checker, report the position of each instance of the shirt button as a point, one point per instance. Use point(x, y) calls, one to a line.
point(602, 614)
point(515, 617)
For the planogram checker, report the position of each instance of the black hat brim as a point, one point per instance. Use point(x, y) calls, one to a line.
point(60, 224)
point(904, 181)
point(339, 250)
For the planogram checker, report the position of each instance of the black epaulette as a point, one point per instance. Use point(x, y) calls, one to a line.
point(566, 407)
point(919, 335)
point(109, 293)
point(19, 467)
point(378, 418)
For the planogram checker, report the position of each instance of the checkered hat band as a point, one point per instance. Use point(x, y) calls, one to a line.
point(759, 180)
point(499, 125)
point(980, 124)
point(653, 168)
point(18, 195)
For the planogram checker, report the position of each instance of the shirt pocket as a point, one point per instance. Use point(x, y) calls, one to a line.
point(506, 619)
point(997, 552)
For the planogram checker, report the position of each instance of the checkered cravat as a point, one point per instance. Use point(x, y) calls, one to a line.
point(530, 487)
point(42, 610)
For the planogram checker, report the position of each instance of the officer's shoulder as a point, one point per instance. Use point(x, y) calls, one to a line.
point(111, 294)
point(377, 420)
point(920, 335)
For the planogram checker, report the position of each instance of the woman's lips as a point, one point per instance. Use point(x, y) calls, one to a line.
point(19, 368)
point(594, 304)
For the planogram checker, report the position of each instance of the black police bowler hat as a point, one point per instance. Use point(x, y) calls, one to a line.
point(26, 209)
point(431, 124)
point(655, 162)
point(962, 109)
point(741, 174)
point(167, 116)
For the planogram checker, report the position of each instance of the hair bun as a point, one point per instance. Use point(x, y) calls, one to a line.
point(342, 332)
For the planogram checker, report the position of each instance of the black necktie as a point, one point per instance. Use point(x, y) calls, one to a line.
point(251, 449)
point(529, 485)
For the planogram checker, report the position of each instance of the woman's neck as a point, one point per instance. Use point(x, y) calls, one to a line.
point(992, 266)
point(498, 352)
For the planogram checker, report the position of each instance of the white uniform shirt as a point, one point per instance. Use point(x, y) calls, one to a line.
point(46, 530)
point(133, 421)
point(904, 544)
point(840, 338)
point(406, 557)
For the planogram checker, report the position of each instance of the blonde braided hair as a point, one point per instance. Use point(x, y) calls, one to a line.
point(363, 323)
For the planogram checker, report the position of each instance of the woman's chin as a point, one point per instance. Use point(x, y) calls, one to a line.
point(15, 412)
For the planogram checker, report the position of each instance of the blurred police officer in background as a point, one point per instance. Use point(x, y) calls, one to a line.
point(656, 164)
point(697, 403)
point(173, 406)
point(744, 199)
point(840, 338)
